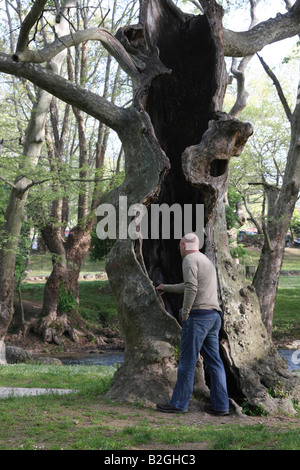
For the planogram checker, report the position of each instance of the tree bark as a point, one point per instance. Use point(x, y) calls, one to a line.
point(68, 256)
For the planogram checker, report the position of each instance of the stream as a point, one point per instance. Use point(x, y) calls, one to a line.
point(110, 358)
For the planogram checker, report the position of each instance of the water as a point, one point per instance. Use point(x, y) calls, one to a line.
point(292, 356)
point(116, 357)
point(92, 359)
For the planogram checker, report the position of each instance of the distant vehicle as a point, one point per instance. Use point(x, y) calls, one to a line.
point(297, 242)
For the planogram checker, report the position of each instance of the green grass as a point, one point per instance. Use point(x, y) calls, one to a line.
point(84, 421)
point(287, 308)
point(41, 265)
point(291, 259)
point(96, 305)
point(49, 376)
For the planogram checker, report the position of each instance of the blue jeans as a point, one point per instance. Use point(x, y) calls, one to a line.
point(200, 333)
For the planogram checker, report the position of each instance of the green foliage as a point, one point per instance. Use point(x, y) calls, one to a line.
point(99, 248)
point(66, 299)
point(277, 391)
point(232, 219)
point(238, 251)
point(4, 196)
point(251, 410)
point(295, 222)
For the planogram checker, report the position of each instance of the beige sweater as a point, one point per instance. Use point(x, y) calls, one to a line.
point(199, 286)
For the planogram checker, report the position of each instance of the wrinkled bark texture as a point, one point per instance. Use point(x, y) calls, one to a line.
point(177, 147)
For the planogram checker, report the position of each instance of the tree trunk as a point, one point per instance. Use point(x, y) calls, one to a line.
point(281, 204)
point(12, 229)
point(183, 105)
point(266, 279)
point(68, 256)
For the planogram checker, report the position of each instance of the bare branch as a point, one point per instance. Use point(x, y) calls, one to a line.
point(198, 5)
point(239, 71)
point(28, 23)
point(278, 88)
point(7, 182)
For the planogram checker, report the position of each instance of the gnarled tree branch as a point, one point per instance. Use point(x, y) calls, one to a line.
point(113, 46)
point(241, 44)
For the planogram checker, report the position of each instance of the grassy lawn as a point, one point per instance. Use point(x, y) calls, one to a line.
point(287, 308)
point(41, 265)
point(291, 259)
point(85, 420)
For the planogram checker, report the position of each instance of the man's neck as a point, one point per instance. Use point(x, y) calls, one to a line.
point(188, 252)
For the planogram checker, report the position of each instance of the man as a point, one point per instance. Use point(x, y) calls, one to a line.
point(201, 323)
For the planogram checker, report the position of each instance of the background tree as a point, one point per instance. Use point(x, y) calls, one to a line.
point(275, 181)
point(50, 203)
point(281, 205)
point(92, 139)
point(32, 146)
point(177, 145)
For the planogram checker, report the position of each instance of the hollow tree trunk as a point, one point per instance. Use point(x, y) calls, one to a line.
point(183, 102)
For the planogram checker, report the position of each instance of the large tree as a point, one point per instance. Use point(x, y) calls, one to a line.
point(177, 146)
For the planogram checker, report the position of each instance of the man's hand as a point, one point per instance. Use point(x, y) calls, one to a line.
point(181, 317)
point(160, 289)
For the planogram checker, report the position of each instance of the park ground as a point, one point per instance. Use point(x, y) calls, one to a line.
point(86, 420)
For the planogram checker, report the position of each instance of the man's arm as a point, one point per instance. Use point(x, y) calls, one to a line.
point(190, 290)
point(173, 288)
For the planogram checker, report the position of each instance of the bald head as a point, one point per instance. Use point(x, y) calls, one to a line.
point(189, 243)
